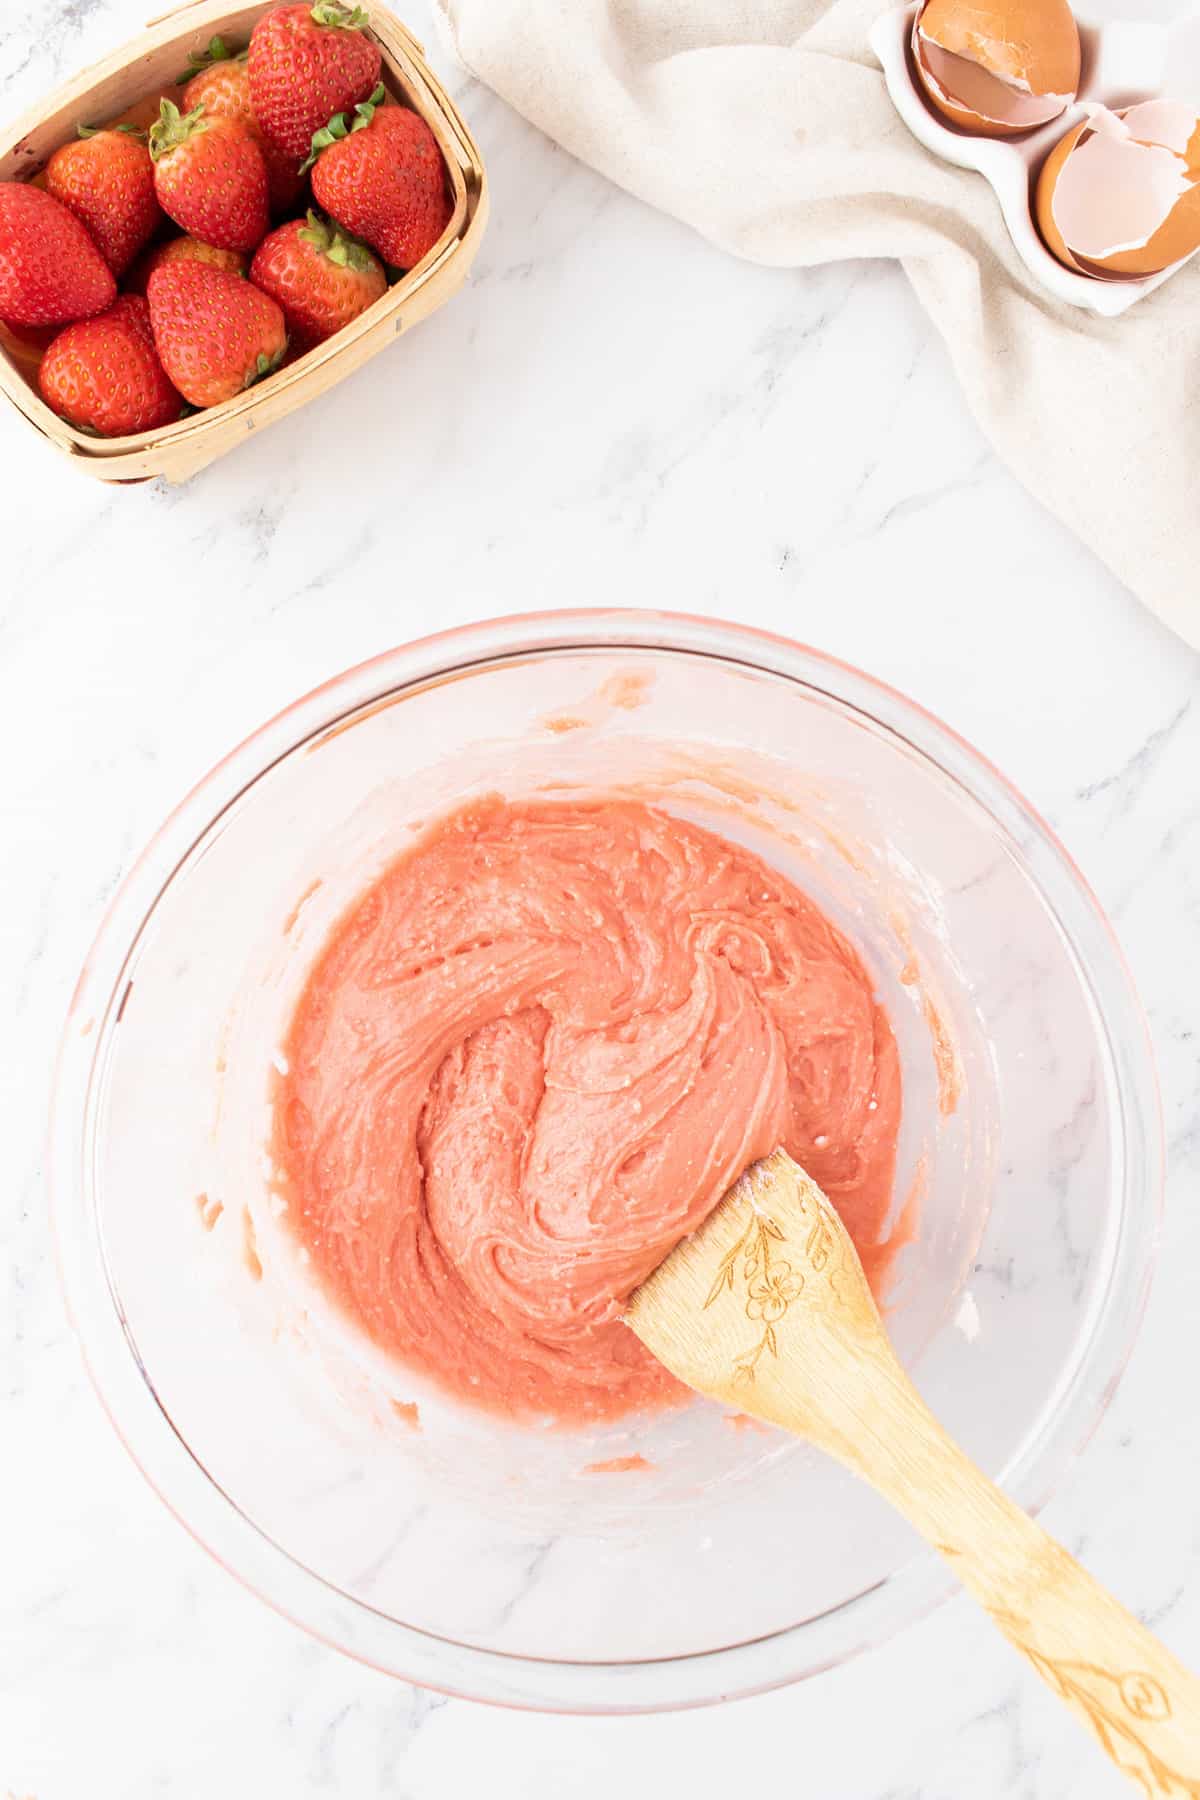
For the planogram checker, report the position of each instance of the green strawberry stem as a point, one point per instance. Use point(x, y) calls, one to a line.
point(173, 128)
point(198, 60)
point(337, 245)
point(264, 366)
point(337, 128)
point(344, 18)
point(91, 131)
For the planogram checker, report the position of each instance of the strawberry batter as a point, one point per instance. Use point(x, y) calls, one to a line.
point(533, 1056)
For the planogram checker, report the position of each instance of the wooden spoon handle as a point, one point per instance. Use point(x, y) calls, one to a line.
point(767, 1309)
point(1140, 1701)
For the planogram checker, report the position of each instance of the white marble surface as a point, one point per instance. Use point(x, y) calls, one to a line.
point(610, 413)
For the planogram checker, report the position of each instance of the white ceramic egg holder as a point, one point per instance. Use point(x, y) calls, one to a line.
point(1123, 62)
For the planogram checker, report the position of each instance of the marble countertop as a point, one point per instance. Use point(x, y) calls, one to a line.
point(610, 412)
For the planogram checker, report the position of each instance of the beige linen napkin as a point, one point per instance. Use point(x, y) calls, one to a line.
point(765, 124)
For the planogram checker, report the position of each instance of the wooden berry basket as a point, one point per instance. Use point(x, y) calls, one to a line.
point(116, 88)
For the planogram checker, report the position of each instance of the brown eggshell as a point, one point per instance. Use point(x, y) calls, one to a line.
point(1043, 199)
point(1011, 52)
point(1177, 237)
point(962, 116)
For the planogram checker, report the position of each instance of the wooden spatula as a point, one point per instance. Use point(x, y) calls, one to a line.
point(767, 1308)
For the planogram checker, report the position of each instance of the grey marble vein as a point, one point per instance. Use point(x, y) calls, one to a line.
point(611, 411)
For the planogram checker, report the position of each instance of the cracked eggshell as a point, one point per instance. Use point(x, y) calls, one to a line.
point(996, 68)
point(1119, 195)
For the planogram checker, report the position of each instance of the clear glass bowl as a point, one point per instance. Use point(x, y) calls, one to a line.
point(495, 1562)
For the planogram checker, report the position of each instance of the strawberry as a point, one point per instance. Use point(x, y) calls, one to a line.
point(106, 178)
point(103, 374)
point(307, 63)
point(383, 178)
point(220, 82)
point(216, 334)
point(210, 177)
point(183, 249)
point(50, 270)
point(321, 278)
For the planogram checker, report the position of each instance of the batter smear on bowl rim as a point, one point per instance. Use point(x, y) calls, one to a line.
point(533, 1056)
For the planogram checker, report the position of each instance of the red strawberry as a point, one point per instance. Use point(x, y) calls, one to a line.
point(220, 83)
point(183, 249)
point(307, 63)
point(320, 278)
point(106, 178)
point(216, 334)
point(50, 270)
point(210, 177)
point(384, 179)
point(103, 374)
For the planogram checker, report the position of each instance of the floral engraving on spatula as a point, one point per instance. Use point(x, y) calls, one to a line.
point(1117, 1707)
point(1115, 1712)
point(771, 1280)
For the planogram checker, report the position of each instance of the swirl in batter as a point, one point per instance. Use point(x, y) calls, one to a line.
point(533, 1056)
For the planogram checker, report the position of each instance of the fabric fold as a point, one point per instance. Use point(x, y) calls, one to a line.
point(768, 129)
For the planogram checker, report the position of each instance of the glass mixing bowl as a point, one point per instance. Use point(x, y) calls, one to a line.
point(499, 1563)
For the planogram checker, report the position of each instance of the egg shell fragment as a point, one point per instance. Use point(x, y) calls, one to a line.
point(1119, 195)
point(997, 69)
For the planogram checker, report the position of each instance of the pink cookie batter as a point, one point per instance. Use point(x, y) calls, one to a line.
point(533, 1056)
